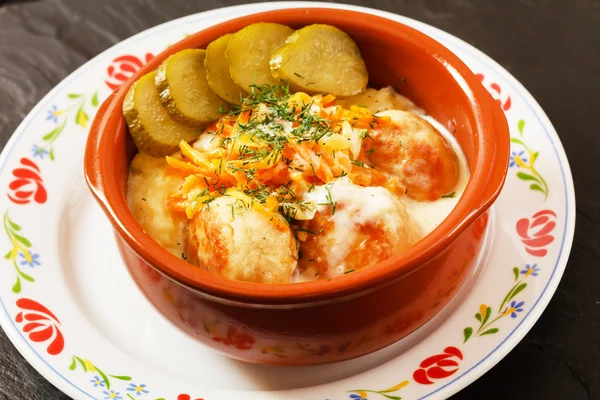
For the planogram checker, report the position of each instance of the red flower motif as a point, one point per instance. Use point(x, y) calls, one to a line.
point(242, 341)
point(439, 366)
point(42, 325)
point(27, 184)
point(538, 239)
point(184, 396)
point(496, 92)
point(123, 67)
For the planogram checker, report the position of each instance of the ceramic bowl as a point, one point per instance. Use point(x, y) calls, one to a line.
point(349, 316)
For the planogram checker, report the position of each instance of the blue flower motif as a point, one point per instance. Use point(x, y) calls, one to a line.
point(138, 389)
point(35, 260)
point(112, 395)
point(514, 155)
point(530, 270)
point(357, 397)
point(53, 114)
point(515, 308)
point(39, 151)
point(97, 381)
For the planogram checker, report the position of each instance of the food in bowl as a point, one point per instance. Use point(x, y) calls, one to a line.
point(289, 182)
point(326, 320)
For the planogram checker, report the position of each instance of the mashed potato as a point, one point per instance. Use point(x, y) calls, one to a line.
point(147, 189)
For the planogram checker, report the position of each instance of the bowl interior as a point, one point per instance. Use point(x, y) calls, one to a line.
point(395, 54)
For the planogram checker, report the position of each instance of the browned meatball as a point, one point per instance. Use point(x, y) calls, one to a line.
point(367, 225)
point(414, 151)
point(238, 243)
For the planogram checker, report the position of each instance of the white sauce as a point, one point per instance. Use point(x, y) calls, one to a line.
point(360, 206)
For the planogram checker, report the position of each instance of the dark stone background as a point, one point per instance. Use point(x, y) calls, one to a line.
point(551, 46)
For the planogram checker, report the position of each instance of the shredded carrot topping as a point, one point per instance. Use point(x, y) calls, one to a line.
point(273, 149)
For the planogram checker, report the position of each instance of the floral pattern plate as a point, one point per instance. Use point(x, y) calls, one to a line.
point(70, 307)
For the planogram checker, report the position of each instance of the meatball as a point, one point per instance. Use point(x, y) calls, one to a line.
point(230, 239)
point(414, 151)
point(353, 228)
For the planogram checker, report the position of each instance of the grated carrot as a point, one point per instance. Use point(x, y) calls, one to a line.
point(268, 167)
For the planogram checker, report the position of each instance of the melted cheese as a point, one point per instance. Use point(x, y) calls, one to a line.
point(361, 205)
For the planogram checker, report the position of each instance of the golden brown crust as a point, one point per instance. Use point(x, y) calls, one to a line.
point(229, 240)
point(415, 152)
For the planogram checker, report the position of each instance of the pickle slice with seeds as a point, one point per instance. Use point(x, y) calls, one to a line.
point(321, 59)
point(184, 89)
point(217, 71)
point(249, 52)
point(153, 130)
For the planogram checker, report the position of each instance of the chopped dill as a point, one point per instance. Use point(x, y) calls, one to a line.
point(329, 200)
point(301, 229)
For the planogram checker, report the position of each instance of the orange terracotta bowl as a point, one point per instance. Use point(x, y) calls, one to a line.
point(349, 316)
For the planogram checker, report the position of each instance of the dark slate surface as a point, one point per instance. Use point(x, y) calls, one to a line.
point(551, 46)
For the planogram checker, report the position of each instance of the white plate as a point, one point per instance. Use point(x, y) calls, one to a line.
point(76, 316)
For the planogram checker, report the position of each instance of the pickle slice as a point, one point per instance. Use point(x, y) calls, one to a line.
point(249, 52)
point(217, 71)
point(153, 130)
point(184, 90)
point(321, 59)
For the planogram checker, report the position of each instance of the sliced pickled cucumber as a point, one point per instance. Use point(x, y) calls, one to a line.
point(249, 52)
point(184, 90)
point(321, 59)
point(153, 130)
point(217, 71)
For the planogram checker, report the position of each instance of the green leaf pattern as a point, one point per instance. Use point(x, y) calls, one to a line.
point(385, 392)
point(485, 311)
point(88, 366)
point(80, 103)
point(20, 245)
point(527, 163)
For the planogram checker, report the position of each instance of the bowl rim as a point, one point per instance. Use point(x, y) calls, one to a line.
point(484, 186)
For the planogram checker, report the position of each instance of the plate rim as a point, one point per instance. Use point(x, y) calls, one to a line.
point(446, 389)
